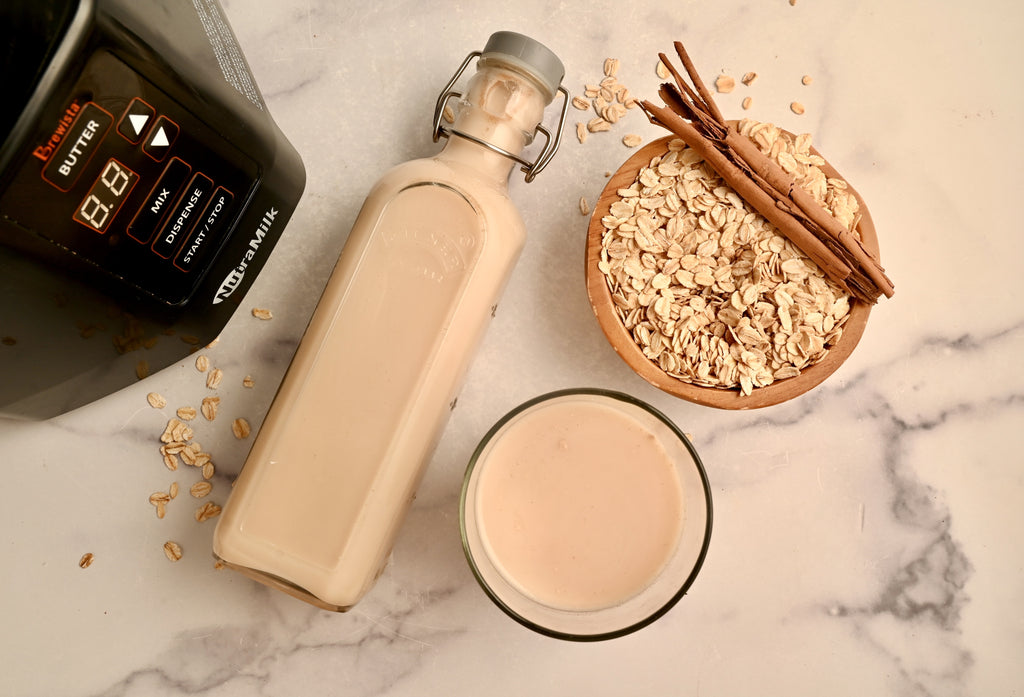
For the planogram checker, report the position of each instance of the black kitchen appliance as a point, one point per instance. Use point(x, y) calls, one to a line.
point(142, 185)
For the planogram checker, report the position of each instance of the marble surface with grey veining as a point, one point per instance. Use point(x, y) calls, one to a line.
point(866, 537)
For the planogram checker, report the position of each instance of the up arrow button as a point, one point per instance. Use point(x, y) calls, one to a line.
point(161, 138)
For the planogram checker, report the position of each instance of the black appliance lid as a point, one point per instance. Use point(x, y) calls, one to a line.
point(30, 32)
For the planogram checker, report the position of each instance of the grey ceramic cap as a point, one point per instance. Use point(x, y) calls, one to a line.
point(526, 54)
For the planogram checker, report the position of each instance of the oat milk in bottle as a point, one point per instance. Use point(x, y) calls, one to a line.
point(332, 471)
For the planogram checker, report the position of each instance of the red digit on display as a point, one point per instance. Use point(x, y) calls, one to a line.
point(115, 178)
point(94, 212)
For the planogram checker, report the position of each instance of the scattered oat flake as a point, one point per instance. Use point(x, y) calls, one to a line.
point(156, 400)
point(177, 431)
point(240, 427)
point(209, 407)
point(170, 460)
point(262, 313)
point(173, 491)
point(172, 550)
point(581, 132)
point(8, 341)
point(661, 70)
point(142, 369)
point(160, 500)
point(86, 561)
point(247, 381)
point(631, 140)
point(584, 206)
point(748, 78)
point(214, 377)
point(206, 511)
point(201, 489)
point(746, 102)
point(725, 84)
point(208, 470)
point(797, 108)
point(611, 67)
point(581, 103)
point(806, 80)
point(186, 413)
point(202, 363)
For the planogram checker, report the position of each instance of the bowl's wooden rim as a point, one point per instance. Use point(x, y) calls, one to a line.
point(620, 339)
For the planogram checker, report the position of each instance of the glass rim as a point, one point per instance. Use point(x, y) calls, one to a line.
point(650, 617)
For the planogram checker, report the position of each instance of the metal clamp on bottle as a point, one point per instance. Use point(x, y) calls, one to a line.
point(531, 169)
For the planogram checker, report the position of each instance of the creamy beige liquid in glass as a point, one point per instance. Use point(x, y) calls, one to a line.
point(338, 459)
point(578, 504)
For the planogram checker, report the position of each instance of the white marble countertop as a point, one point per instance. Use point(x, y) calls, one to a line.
point(864, 536)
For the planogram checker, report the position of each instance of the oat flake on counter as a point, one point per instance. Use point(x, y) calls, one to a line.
point(159, 500)
point(240, 428)
point(172, 550)
point(209, 407)
point(213, 378)
point(610, 100)
point(206, 512)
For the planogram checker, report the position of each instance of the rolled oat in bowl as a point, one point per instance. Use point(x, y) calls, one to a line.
point(708, 289)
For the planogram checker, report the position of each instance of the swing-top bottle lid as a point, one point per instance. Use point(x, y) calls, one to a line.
point(527, 55)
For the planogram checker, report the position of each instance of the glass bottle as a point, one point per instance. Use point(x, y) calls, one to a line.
point(337, 461)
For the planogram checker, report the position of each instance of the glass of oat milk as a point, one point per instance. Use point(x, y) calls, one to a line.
point(585, 514)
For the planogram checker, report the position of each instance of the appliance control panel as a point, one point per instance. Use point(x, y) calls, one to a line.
point(131, 182)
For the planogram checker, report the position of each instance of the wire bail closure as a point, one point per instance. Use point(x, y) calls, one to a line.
point(551, 143)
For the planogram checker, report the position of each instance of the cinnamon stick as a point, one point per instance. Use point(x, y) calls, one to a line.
point(702, 89)
point(692, 115)
point(750, 192)
point(787, 187)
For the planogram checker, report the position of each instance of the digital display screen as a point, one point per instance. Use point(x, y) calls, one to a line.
point(106, 196)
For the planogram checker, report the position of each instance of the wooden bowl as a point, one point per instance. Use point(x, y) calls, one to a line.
point(721, 398)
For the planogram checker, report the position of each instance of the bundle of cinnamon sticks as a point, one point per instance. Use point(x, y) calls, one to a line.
point(692, 115)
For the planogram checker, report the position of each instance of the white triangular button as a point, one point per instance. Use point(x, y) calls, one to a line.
point(159, 139)
point(138, 121)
